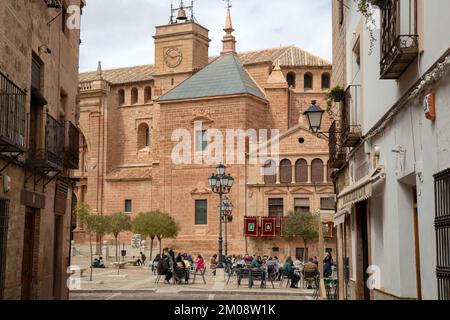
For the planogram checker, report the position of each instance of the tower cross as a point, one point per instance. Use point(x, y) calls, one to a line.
point(228, 4)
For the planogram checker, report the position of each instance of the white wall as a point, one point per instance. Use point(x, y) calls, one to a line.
point(427, 146)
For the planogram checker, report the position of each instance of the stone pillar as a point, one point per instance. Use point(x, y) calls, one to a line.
point(309, 173)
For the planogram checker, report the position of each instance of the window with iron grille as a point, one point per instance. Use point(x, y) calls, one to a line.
point(4, 215)
point(276, 209)
point(442, 225)
point(327, 203)
point(201, 212)
point(12, 112)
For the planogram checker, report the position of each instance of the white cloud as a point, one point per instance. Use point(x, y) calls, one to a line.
point(119, 32)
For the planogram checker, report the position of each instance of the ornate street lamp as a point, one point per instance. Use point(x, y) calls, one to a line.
point(221, 184)
point(314, 115)
point(227, 216)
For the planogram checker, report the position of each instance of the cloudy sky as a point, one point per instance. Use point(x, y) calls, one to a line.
point(119, 32)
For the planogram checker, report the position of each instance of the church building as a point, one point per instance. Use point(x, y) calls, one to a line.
point(130, 117)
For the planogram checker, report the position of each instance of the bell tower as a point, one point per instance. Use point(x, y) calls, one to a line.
point(181, 47)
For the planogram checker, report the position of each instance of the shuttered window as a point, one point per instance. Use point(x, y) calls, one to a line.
point(36, 66)
point(285, 171)
point(302, 205)
point(301, 171)
point(62, 188)
point(4, 216)
point(317, 171)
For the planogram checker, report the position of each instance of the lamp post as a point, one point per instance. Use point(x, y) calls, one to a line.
point(227, 216)
point(220, 184)
point(314, 115)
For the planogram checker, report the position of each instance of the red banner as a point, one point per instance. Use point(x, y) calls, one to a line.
point(268, 227)
point(251, 225)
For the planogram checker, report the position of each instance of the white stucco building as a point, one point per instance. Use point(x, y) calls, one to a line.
point(392, 158)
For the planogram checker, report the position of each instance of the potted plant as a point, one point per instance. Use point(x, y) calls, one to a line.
point(336, 94)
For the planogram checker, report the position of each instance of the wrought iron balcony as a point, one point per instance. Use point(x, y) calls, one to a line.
point(72, 146)
point(51, 156)
point(337, 155)
point(399, 39)
point(12, 116)
point(351, 128)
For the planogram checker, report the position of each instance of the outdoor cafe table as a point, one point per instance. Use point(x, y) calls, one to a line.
point(251, 273)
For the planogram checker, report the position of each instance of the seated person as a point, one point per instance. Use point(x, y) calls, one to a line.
point(256, 263)
point(95, 263)
point(288, 268)
point(101, 264)
point(200, 263)
point(310, 270)
point(214, 263)
point(298, 264)
point(155, 261)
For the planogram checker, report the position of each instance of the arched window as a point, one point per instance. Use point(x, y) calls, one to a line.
point(270, 172)
point(147, 94)
point(134, 96)
point(308, 81)
point(285, 171)
point(325, 81)
point(301, 171)
point(143, 136)
point(121, 94)
point(290, 78)
point(317, 171)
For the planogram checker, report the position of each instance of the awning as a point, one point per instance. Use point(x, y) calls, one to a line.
point(362, 190)
point(339, 217)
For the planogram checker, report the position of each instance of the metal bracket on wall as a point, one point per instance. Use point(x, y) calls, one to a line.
point(10, 161)
point(52, 178)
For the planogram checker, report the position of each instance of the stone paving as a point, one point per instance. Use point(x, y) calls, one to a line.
point(142, 280)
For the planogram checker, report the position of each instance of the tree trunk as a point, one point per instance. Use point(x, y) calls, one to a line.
point(98, 246)
point(304, 251)
point(117, 248)
point(151, 248)
point(160, 245)
point(90, 246)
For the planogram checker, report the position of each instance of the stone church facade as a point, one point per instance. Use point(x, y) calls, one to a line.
point(128, 118)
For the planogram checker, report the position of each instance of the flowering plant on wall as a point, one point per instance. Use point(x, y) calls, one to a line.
point(365, 7)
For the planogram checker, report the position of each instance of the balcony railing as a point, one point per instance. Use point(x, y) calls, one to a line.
point(51, 156)
point(12, 116)
point(351, 127)
point(399, 39)
point(337, 155)
point(72, 146)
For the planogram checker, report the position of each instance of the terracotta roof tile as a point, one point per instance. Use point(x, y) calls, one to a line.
point(122, 75)
point(291, 56)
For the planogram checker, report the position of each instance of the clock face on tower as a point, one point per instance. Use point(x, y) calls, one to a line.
point(173, 57)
